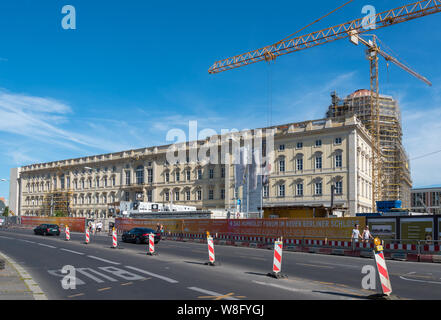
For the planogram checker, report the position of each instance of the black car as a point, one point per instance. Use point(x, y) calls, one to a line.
point(140, 235)
point(46, 229)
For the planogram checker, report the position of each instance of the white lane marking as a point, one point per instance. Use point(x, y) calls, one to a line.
point(211, 293)
point(281, 287)
point(349, 266)
point(76, 252)
point(26, 241)
point(124, 274)
point(104, 260)
point(87, 274)
point(46, 245)
point(6, 237)
point(416, 280)
point(153, 275)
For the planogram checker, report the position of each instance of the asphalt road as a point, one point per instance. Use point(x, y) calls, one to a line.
point(179, 271)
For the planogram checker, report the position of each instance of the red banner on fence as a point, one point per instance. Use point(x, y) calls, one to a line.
point(331, 228)
point(75, 224)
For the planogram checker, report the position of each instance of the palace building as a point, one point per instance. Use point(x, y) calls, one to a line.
point(308, 158)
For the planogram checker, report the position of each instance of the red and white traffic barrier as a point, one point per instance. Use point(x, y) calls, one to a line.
point(67, 233)
point(277, 261)
point(151, 244)
point(382, 272)
point(211, 255)
point(87, 236)
point(114, 239)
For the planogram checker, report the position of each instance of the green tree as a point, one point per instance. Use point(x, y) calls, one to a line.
point(6, 213)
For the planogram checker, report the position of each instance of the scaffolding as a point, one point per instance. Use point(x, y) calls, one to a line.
point(384, 121)
point(57, 202)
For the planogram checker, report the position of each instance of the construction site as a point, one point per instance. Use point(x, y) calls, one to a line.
point(379, 113)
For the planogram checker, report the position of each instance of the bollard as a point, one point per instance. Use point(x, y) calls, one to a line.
point(67, 233)
point(151, 251)
point(211, 256)
point(277, 262)
point(87, 236)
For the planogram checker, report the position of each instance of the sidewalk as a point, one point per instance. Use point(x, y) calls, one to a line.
point(16, 283)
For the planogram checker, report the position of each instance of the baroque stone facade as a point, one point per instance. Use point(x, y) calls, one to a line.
point(308, 157)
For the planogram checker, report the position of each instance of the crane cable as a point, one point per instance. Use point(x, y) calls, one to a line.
point(329, 13)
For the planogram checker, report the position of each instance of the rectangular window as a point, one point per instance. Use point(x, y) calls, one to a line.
point(265, 191)
point(338, 187)
point(199, 174)
point(199, 195)
point(222, 194)
point(187, 195)
point(188, 172)
point(113, 181)
point(211, 173)
point(210, 194)
point(299, 145)
point(178, 176)
point(299, 189)
point(318, 188)
point(338, 161)
point(282, 165)
point(281, 147)
point(150, 175)
point(127, 196)
point(149, 195)
point(318, 162)
point(318, 143)
point(177, 195)
point(127, 177)
point(223, 172)
point(338, 140)
point(299, 164)
point(281, 190)
point(167, 196)
point(167, 177)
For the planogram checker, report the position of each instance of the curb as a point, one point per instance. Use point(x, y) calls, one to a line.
point(37, 293)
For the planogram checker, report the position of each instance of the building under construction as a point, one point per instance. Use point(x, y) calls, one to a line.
point(56, 203)
point(395, 180)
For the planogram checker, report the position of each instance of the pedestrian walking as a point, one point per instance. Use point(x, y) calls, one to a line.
point(355, 234)
point(367, 235)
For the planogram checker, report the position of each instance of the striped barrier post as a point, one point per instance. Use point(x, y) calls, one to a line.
point(87, 236)
point(114, 239)
point(151, 251)
point(67, 233)
point(277, 261)
point(382, 268)
point(211, 255)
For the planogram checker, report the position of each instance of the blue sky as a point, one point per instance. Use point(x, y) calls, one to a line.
point(132, 70)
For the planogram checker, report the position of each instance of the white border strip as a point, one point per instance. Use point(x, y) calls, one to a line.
point(30, 283)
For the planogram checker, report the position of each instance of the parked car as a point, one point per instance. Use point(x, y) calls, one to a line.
point(140, 235)
point(47, 229)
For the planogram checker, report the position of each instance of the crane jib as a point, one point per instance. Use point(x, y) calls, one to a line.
point(383, 19)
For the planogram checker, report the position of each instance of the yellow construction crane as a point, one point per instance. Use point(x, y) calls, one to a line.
point(344, 30)
point(384, 159)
